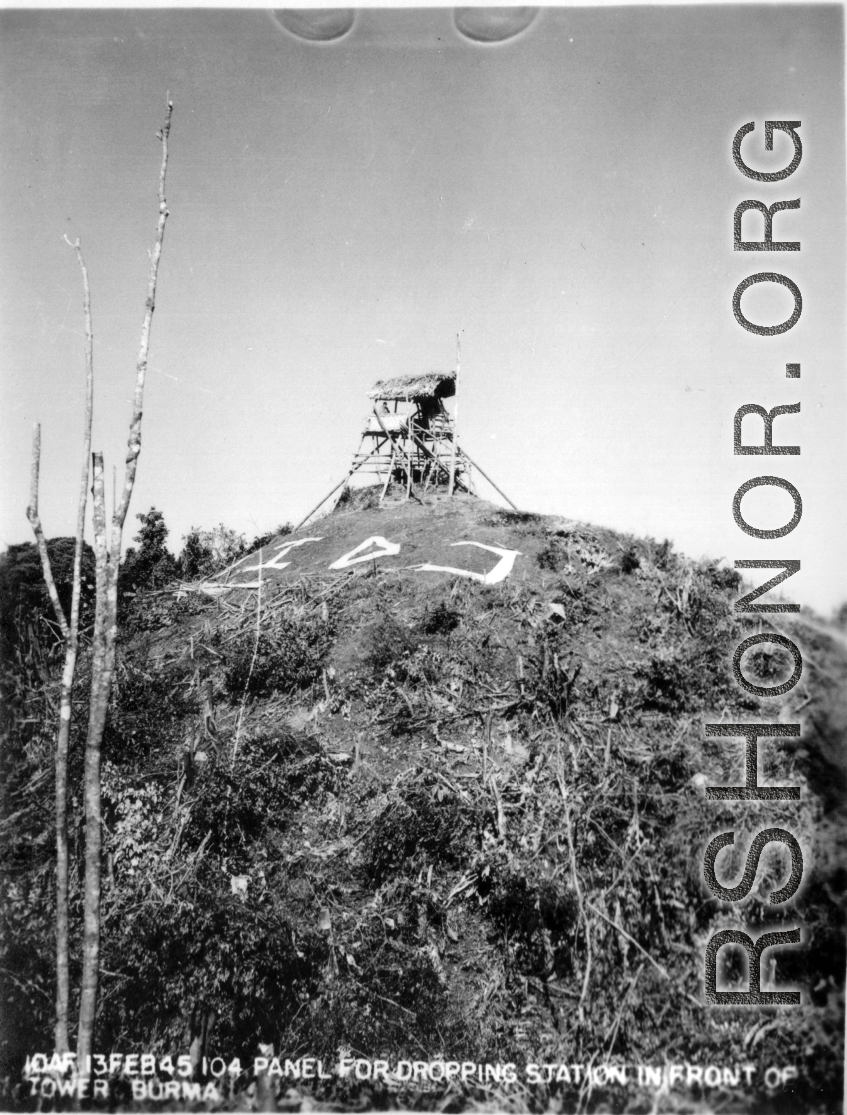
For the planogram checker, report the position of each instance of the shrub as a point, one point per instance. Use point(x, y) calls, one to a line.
point(146, 711)
point(392, 1010)
point(724, 580)
point(551, 556)
point(440, 620)
point(515, 518)
point(660, 554)
point(206, 552)
point(150, 566)
point(235, 805)
point(24, 600)
point(766, 665)
point(244, 963)
point(133, 815)
point(683, 681)
point(385, 643)
point(630, 561)
point(522, 908)
point(287, 659)
point(666, 684)
point(425, 817)
point(358, 499)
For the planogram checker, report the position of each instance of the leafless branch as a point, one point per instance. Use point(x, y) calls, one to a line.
point(134, 444)
point(631, 940)
point(578, 890)
point(250, 671)
point(35, 523)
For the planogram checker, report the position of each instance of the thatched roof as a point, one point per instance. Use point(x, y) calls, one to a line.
point(429, 385)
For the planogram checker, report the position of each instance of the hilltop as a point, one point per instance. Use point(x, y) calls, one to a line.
point(398, 813)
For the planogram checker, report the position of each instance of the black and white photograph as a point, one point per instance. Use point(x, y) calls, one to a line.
point(423, 559)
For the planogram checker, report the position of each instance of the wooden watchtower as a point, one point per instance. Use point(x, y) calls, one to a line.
point(410, 438)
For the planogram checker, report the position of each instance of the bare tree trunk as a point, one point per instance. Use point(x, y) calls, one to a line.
point(60, 1039)
point(202, 1023)
point(108, 554)
point(71, 633)
point(66, 697)
point(96, 724)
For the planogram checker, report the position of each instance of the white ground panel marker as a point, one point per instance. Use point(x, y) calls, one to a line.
point(387, 549)
point(499, 573)
point(276, 562)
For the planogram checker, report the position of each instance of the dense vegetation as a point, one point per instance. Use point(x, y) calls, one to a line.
point(403, 819)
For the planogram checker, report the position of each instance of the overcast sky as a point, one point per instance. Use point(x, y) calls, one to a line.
point(339, 211)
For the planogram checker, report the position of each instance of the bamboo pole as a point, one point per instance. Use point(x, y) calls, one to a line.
point(455, 422)
point(387, 475)
point(467, 457)
point(401, 452)
point(440, 464)
point(332, 492)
